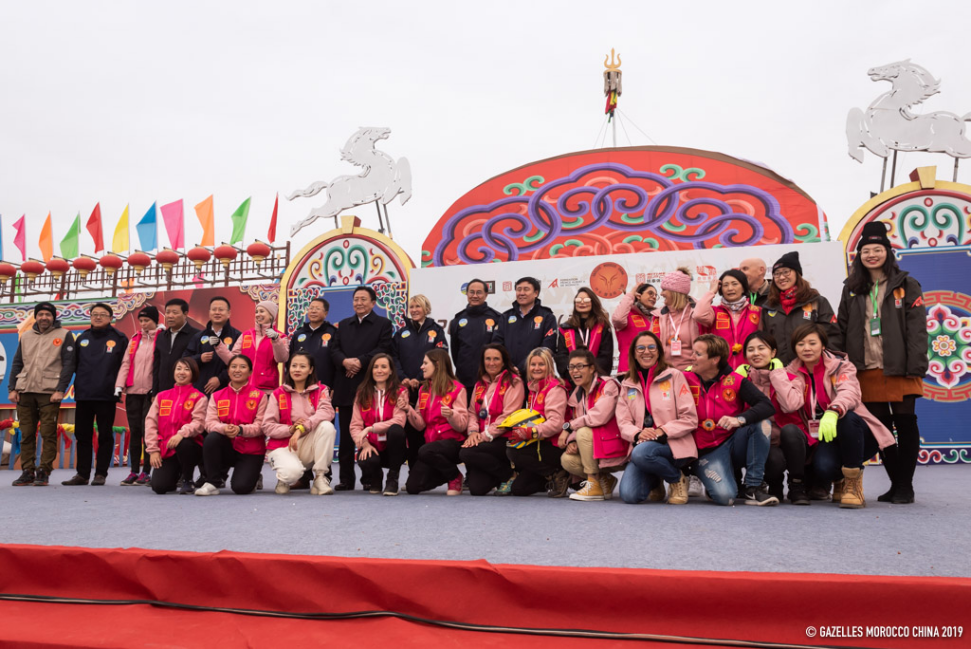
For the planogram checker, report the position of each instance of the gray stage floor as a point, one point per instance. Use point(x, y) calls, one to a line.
point(927, 538)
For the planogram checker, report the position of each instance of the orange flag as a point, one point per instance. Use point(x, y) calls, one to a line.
point(271, 233)
point(46, 241)
point(205, 213)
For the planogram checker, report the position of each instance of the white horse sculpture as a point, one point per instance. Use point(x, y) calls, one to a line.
point(889, 125)
point(382, 179)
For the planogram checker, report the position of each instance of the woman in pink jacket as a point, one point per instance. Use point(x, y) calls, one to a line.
point(655, 412)
point(377, 425)
point(234, 420)
point(499, 392)
point(591, 439)
point(299, 424)
point(173, 430)
point(441, 412)
point(634, 314)
point(842, 432)
point(135, 382)
point(678, 322)
point(734, 319)
point(264, 345)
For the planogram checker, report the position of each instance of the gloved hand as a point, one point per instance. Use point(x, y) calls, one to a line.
point(272, 334)
point(827, 426)
point(742, 370)
point(776, 364)
point(521, 434)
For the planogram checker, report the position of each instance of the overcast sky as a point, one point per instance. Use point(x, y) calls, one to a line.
point(132, 102)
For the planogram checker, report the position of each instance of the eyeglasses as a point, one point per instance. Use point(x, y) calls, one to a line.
point(100, 314)
point(645, 348)
point(782, 272)
point(577, 368)
point(583, 300)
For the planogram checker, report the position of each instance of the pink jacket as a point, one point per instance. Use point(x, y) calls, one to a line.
point(301, 408)
point(459, 421)
point(195, 427)
point(144, 358)
point(843, 390)
point(398, 418)
point(554, 409)
point(255, 429)
point(786, 390)
point(511, 402)
point(672, 407)
point(687, 332)
point(600, 415)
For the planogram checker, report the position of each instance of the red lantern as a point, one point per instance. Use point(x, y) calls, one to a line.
point(199, 256)
point(57, 266)
point(258, 251)
point(32, 268)
point(168, 258)
point(225, 254)
point(7, 271)
point(111, 263)
point(139, 261)
point(84, 265)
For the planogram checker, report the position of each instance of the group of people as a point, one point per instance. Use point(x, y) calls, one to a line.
point(767, 394)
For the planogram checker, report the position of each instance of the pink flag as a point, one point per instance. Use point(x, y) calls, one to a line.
point(20, 239)
point(174, 224)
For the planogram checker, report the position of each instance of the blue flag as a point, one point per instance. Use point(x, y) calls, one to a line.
point(147, 229)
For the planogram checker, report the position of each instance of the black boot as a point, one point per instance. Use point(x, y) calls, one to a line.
point(797, 492)
point(908, 450)
point(391, 486)
point(891, 462)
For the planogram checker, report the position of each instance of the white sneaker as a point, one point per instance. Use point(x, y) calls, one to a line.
point(208, 489)
point(321, 487)
point(695, 488)
point(282, 487)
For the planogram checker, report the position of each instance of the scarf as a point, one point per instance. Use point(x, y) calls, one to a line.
point(643, 310)
point(788, 300)
point(737, 305)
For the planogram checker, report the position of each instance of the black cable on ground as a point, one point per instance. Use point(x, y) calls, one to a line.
point(461, 626)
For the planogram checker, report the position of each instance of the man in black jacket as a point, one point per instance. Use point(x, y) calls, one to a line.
point(98, 353)
point(527, 325)
point(202, 347)
point(171, 344)
point(470, 330)
point(315, 337)
point(358, 338)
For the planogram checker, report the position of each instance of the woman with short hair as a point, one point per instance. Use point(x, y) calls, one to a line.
point(734, 319)
point(173, 430)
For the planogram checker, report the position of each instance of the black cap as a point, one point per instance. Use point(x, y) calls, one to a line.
point(45, 306)
point(788, 260)
point(149, 312)
point(737, 274)
point(873, 232)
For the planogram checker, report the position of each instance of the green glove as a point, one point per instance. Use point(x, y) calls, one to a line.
point(827, 426)
point(742, 370)
point(776, 364)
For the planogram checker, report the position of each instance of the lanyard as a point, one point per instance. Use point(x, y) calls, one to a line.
point(677, 332)
point(873, 299)
point(812, 396)
point(382, 397)
point(584, 338)
point(752, 297)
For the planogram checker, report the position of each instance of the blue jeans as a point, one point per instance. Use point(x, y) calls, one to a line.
point(650, 462)
point(748, 447)
point(853, 445)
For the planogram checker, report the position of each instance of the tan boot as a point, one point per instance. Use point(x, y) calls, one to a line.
point(838, 489)
point(608, 483)
point(852, 489)
point(678, 492)
point(657, 494)
point(591, 490)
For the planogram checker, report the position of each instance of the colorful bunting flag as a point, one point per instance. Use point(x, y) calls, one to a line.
point(204, 211)
point(174, 219)
point(147, 229)
point(94, 227)
point(240, 216)
point(71, 243)
point(20, 239)
point(46, 241)
point(119, 242)
point(271, 233)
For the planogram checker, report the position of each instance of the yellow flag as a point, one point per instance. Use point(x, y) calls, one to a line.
point(119, 242)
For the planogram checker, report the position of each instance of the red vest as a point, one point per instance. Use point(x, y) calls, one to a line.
point(734, 333)
point(636, 323)
point(721, 400)
point(537, 400)
point(571, 338)
point(284, 400)
point(436, 426)
point(607, 442)
point(238, 409)
point(495, 405)
point(175, 408)
point(266, 371)
point(371, 416)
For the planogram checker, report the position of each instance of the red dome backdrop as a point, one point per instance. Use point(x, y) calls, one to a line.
point(620, 201)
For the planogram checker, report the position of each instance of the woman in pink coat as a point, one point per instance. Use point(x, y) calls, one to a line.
point(264, 345)
point(655, 412)
point(677, 320)
point(135, 382)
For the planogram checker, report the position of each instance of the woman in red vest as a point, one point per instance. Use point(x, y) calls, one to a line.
point(441, 412)
point(588, 327)
point(633, 315)
point(135, 381)
point(734, 319)
point(534, 450)
point(656, 413)
point(377, 424)
point(299, 422)
point(234, 420)
point(173, 430)
point(264, 345)
point(499, 392)
point(591, 439)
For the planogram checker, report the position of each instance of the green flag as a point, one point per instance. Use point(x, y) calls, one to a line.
point(71, 241)
point(239, 222)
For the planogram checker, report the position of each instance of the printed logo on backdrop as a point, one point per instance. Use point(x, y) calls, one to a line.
point(608, 280)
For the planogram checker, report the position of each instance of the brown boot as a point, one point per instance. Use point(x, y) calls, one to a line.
point(678, 492)
point(838, 489)
point(852, 489)
point(657, 494)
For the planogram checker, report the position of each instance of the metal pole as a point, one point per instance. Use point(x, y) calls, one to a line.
point(893, 170)
point(956, 161)
point(613, 121)
point(883, 176)
point(388, 221)
point(377, 206)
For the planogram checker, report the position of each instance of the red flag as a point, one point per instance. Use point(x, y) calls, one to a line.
point(94, 227)
point(272, 232)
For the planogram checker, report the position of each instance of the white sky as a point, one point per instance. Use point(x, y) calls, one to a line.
point(133, 102)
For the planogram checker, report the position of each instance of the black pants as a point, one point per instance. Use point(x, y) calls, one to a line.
point(391, 458)
point(486, 465)
point(854, 444)
point(188, 454)
point(902, 416)
point(775, 463)
point(219, 455)
point(414, 437)
point(85, 414)
point(345, 450)
point(437, 464)
point(137, 407)
point(535, 464)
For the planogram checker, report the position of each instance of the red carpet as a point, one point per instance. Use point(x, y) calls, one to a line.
point(761, 607)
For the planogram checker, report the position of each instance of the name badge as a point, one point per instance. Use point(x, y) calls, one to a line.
point(874, 326)
point(675, 347)
point(814, 428)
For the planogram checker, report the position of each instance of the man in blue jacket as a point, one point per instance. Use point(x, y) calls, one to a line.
point(98, 353)
point(470, 330)
point(527, 325)
point(213, 374)
point(314, 337)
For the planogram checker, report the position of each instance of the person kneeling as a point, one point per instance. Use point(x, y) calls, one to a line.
point(234, 420)
point(377, 425)
point(173, 430)
point(299, 422)
point(592, 440)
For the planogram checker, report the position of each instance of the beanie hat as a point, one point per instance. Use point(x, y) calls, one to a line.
point(873, 232)
point(271, 307)
point(788, 260)
point(149, 312)
point(677, 282)
point(45, 306)
point(737, 274)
